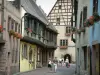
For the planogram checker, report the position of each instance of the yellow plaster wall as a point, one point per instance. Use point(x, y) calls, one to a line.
point(24, 63)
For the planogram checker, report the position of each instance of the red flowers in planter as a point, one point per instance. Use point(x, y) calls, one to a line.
point(29, 30)
point(91, 20)
point(67, 34)
point(1, 28)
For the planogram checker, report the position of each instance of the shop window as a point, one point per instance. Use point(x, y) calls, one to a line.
point(95, 6)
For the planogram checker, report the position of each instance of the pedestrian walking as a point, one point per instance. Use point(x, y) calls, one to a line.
point(67, 62)
point(50, 64)
point(55, 64)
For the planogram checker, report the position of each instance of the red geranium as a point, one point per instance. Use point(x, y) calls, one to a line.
point(1, 28)
point(30, 30)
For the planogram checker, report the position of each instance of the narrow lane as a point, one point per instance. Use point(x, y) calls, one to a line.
point(64, 70)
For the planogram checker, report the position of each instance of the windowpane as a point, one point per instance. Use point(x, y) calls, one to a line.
point(60, 42)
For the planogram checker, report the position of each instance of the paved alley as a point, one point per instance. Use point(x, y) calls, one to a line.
point(60, 71)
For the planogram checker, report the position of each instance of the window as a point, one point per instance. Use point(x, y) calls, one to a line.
point(95, 6)
point(58, 20)
point(64, 42)
point(80, 20)
point(9, 22)
point(12, 24)
point(16, 25)
point(68, 29)
point(16, 3)
point(25, 50)
point(59, 6)
point(84, 13)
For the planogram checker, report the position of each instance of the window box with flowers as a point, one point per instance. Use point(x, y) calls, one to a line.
point(92, 20)
point(28, 30)
point(63, 47)
point(1, 28)
point(67, 34)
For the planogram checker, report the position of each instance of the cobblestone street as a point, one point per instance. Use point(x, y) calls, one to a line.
point(60, 71)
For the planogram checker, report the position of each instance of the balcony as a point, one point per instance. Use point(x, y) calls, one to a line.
point(1, 39)
point(63, 47)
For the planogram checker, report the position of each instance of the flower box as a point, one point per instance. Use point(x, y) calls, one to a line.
point(28, 30)
point(67, 34)
point(63, 47)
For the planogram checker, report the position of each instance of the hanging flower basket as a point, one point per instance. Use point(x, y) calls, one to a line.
point(15, 34)
point(1, 28)
point(19, 36)
point(11, 32)
point(96, 17)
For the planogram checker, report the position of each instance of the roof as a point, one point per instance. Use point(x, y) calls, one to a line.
point(31, 7)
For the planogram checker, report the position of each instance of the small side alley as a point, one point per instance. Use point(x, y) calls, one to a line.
point(62, 70)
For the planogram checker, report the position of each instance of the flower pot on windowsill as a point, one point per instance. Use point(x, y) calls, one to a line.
point(63, 47)
point(67, 34)
point(11, 32)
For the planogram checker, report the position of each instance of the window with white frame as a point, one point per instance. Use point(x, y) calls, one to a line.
point(63, 42)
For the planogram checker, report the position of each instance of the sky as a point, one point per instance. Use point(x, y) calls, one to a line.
point(46, 5)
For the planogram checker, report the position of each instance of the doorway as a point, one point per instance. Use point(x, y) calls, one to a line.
point(69, 57)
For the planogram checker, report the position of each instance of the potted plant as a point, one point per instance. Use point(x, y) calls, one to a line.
point(16, 34)
point(91, 20)
point(1, 28)
point(11, 32)
point(19, 36)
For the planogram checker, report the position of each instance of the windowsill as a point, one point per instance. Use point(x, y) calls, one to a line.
point(63, 47)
